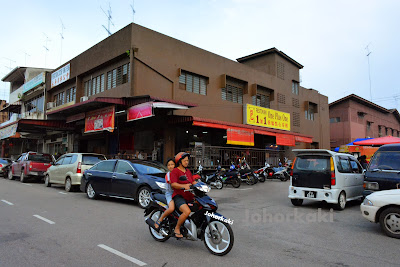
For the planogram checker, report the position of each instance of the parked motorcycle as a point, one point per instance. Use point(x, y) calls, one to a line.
point(246, 174)
point(280, 173)
point(204, 224)
point(213, 179)
point(230, 177)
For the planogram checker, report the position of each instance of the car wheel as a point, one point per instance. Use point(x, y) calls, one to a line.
point(47, 181)
point(143, 197)
point(22, 177)
point(91, 194)
point(68, 185)
point(390, 222)
point(296, 202)
point(341, 201)
point(10, 175)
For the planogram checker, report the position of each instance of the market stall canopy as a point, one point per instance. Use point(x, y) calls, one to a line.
point(379, 141)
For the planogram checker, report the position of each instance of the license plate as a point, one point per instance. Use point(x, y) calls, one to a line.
point(310, 194)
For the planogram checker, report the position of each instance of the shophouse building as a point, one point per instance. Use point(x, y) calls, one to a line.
point(26, 126)
point(353, 117)
point(139, 91)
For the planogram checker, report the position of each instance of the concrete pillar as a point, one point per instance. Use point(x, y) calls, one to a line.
point(169, 143)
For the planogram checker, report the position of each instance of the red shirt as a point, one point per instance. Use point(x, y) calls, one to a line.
point(174, 176)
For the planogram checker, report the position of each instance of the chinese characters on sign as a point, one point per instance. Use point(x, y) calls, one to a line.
point(100, 120)
point(60, 76)
point(266, 117)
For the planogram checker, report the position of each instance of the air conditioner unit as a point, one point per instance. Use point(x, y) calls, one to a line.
point(84, 98)
point(50, 105)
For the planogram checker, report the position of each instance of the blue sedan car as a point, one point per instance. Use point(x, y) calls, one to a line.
point(127, 179)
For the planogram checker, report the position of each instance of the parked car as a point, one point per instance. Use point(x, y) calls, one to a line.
point(69, 168)
point(4, 166)
point(383, 170)
point(323, 175)
point(384, 207)
point(30, 165)
point(129, 179)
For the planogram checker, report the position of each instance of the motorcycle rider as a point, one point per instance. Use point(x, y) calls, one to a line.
point(168, 194)
point(180, 197)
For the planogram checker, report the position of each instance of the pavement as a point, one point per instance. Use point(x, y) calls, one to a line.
point(42, 226)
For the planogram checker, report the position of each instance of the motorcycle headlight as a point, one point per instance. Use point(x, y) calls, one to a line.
point(367, 202)
point(161, 185)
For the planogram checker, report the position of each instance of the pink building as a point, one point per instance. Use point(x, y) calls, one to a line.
point(354, 117)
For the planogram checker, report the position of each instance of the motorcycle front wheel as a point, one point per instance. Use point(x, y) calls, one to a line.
point(157, 235)
point(219, 184)
point(219, 239)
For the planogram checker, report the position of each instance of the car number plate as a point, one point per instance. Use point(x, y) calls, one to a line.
point(310, 194)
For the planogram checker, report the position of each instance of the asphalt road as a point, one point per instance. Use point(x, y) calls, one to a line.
point(42, 226)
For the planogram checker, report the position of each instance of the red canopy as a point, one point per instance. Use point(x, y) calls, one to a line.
point(379, 141)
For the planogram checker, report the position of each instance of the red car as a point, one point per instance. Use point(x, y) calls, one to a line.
point(30, 165)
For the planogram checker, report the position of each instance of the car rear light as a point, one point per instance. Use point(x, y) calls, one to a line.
point(79, 169)
point(333, 176)
point(291, 169)
point(1, 165)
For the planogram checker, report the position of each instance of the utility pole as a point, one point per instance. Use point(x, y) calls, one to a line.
point(108, 14)
point(369, 71)
point(10, 63)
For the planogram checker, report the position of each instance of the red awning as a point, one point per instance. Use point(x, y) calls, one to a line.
point(378, 141)
point(285, 138)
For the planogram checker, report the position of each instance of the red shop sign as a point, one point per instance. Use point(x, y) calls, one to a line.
point(141, 111)
point(240, 136)
point(100, 120)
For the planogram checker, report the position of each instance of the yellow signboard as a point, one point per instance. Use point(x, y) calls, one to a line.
point(266, 117)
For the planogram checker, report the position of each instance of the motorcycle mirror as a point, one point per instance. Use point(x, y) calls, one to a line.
point(183, 178)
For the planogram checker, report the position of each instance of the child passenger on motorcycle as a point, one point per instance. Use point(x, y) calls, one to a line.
point(168, 194)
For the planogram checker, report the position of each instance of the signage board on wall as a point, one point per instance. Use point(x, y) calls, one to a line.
point(8, 131)
point(100, 120)
point(140, 111)
point(266, 117)
point(61, 75)
point(37, 80)
point(240, 136)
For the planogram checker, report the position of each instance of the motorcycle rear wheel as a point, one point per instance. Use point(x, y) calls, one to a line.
point(156, 235)
point(219, 184)
point(220, 240)
point(236, 183)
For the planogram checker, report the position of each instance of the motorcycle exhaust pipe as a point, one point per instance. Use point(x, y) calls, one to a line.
point(151, 223)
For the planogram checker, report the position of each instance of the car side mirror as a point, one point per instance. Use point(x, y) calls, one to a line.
point(131, 172)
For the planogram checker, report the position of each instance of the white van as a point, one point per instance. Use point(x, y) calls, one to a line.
point(68, 169)
point(323, 175)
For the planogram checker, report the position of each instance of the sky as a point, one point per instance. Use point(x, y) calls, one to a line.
point(331, 39)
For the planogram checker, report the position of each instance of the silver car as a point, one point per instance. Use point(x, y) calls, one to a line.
point(68, 169)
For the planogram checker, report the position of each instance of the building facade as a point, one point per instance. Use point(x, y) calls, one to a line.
point(354, 117)
point(196, 100)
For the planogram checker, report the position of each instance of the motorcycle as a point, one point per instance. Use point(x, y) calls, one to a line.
point(213, 179)
point(230, 177)
point(280, 173)
point(204, 223)
point(260, 174)
point(245, 173)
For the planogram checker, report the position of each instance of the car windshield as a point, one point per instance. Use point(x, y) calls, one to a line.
point(389, 160)
point(312, 163)
point(91, 159)
point(45, 158)
point(150, 168)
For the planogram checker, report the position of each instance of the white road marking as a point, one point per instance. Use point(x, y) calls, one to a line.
point(44, 219)
point(27, 184)
point(63, 193)
point(122, 255)
point(9, 203)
